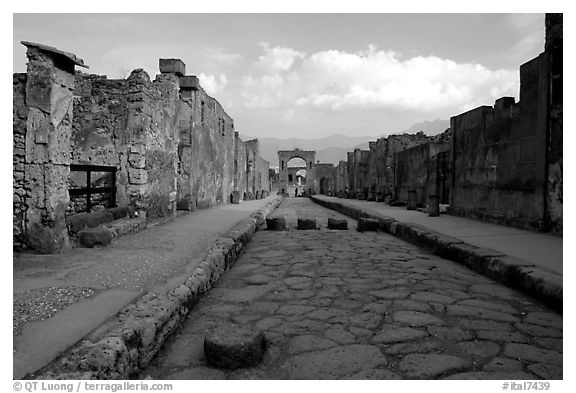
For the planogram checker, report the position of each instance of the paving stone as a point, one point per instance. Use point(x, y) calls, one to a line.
point(262, 307)
point(244, 295)
point(546, 371)
point(366, 320)
point(414, 347)
point(390, 294)
point(432, 297)
point(544, 319)
point(410, 305)
point(537, 330)
point(416, 318)
point(374, 374)
point(336, 362)
point(327, 313)
point(428, 366)
point(340, 335)
point(531, 353)
point(309, 343)
point(555, 344)
point(491, 375)
point(503, 364)
point(380, 307)
point(258, 279)
point(479, 348)
point(502, 336)
point(233, 346)
point(477, 312)
point(268, 323)
point(390, 335)
point(294, 309)
point(449, 334)
point(479, 324)
point(505, 308)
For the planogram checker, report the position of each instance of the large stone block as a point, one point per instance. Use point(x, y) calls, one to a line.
point(233, 346)
point(173, 66)
point(367, 224)
point(189, 82)
point(307, 223)
point(340, 224)
point(276, 223)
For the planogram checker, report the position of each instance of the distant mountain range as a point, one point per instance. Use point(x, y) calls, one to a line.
point(334, 148)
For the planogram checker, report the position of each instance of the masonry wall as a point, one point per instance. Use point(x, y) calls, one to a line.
point(240, 167)
point(416, 169)
point(130, 124)
point(19, 117)
point(325, 175)
point(499, 155)
point(172, 146)
point(554, 197)
point(342, 179)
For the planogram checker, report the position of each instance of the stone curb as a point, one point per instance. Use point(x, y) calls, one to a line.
point(140, 329)
point(513, 272)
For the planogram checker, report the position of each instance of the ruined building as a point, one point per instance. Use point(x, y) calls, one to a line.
point(84, 143)
point(500, 163)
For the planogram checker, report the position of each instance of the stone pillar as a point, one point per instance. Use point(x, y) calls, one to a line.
point(433, 205)
point(411, 200)
point(49, 98)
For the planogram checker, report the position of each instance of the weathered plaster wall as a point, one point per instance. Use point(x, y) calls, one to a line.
point(416, 169)
point(240, 166)
point(48, 97)
point(19, 116)
point(499, 155)
point(554, 200)
point(325, 175)
point(172, 145)
point(342, 180)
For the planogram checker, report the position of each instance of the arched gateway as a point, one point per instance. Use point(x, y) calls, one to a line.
point(309, 157)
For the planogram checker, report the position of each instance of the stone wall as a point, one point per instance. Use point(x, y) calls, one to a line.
point(48, 101)
point(240, 167)
point(170, 144)
point(416, 169)
point(554, 200)
point(19, 117)
point(325, 175)
point(507, 159)
point(341, 181)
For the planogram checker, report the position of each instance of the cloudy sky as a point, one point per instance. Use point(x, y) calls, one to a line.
point(310, 75)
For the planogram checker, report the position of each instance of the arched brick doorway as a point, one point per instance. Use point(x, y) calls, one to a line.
point(309, 156)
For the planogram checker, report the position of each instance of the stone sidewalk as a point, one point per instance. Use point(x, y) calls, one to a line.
point(341, 304)
point(523, 259)
point(60, 299)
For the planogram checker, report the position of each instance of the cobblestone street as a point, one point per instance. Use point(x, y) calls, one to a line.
point(349, 305)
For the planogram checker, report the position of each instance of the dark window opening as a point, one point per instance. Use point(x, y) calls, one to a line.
point(96, 182)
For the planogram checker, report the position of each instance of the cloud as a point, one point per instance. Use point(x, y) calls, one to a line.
point(220, 56)
point(213, 84)
point(370, 79)
point(277, 58)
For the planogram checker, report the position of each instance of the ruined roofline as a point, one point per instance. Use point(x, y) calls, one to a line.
point(50, 49)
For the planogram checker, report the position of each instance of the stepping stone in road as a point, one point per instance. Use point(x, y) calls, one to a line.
point(340, 224)
point(232, 346)
point(367, 224)
point(307, 223)
point(276, 223)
